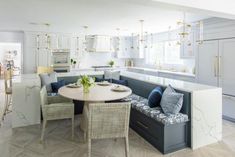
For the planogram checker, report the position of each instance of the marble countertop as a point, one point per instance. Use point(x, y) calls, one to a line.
point(25, 78)
point(165, 71)
point(177, 84)
point(79, 73)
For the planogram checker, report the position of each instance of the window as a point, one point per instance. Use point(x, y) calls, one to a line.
point(155, 53)
point(172, 53)
point(167, 52)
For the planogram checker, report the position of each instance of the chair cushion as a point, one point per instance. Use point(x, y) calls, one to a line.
point(155, 96)
point(57, 85)
point(171, 101)
point(121, 82)
point(141, 104)
point(47, 79)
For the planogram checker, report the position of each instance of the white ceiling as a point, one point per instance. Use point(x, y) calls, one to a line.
point(102, 16)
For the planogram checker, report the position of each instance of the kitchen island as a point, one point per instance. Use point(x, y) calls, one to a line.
point(206, 107)
point(26, 98)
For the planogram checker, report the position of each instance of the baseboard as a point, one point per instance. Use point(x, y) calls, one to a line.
point(228, 118)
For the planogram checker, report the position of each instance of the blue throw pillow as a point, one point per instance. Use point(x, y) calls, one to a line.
point(121, 82)
point(172, 101)
point(155, 96)
point(56, 85)
point(101, 79)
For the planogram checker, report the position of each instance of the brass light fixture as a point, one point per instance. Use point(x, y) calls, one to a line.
point(142, 35)
point(118, 39)
point(85, 37)
point(184, 30)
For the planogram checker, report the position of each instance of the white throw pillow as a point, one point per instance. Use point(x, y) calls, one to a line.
point(47, 79)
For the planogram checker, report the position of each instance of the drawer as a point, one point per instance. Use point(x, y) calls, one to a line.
point(147, 124)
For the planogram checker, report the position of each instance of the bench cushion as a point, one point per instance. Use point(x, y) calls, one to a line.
point(141, 104)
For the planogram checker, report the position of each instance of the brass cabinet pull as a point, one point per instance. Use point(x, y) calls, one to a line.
point(219, 66)
point(141, 124)
point(215, 65)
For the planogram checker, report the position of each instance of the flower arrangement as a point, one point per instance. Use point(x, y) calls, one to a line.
point(86, 82)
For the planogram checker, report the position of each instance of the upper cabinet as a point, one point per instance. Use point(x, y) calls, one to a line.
point(60, 41)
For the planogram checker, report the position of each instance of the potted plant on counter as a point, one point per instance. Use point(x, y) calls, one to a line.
point(86, 82)
point(111, 63)
point(73, 63)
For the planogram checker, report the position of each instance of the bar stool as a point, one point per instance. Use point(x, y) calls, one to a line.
point(8, 92)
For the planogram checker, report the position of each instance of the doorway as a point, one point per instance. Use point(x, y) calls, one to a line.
point(11, 56)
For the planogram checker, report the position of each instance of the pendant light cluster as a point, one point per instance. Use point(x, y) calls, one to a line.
point(184, 31)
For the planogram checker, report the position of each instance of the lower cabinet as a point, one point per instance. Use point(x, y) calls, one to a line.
point(166, 138)
point(229, 107)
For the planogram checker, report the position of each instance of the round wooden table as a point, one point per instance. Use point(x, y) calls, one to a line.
point(97, 93)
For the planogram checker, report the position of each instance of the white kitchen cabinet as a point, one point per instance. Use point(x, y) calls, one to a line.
point(207, 63)
point(215, 67)
point(43, 56)
point(226, 64)
point(38, 47)
point(64, 41)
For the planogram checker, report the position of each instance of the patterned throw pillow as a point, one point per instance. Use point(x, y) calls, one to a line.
point(172, 101)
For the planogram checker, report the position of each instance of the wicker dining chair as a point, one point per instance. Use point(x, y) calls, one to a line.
point(106, 120)
point(55, 111)
point(8, 92)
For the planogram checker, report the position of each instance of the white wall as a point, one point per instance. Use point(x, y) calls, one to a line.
point(96, 59)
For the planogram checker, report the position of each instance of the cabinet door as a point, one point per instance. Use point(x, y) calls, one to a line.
point(42, 56)
point(53, 41)
point(227, 63)
point(207, 63)
point(65, 39)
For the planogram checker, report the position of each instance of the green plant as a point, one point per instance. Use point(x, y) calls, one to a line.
point(86, 82)
point(73, 61)
point(111, 63)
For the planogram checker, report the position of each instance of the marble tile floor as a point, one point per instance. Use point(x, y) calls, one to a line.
point(24, 142)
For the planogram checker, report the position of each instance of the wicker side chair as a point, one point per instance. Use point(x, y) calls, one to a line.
point(107, 120)
point(8, 92)
point(55, 111)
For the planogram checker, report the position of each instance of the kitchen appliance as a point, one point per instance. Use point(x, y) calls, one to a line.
point(60, 60)
point(215, 67)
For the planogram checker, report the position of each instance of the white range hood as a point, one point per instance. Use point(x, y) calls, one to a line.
point(99, 43)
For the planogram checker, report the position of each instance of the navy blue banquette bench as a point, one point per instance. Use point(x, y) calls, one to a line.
point(167, 136)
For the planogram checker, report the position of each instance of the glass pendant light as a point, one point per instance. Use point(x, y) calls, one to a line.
point(184, 30)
